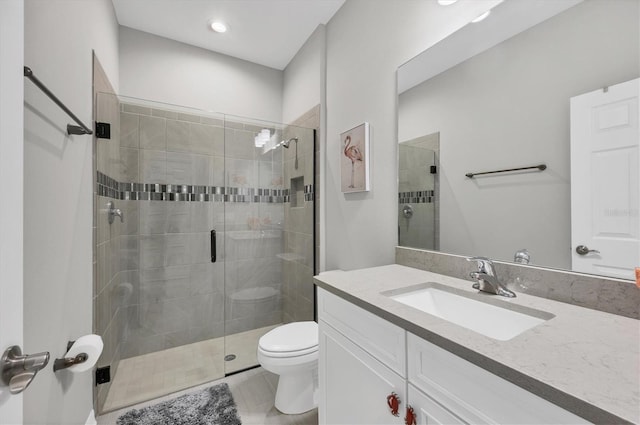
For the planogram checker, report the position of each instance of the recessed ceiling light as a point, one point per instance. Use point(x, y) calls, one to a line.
point(481, 17)
point(218, 26)
point(446, 2)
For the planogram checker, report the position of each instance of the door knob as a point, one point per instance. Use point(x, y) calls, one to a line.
point(584, 250)
point(18, 370)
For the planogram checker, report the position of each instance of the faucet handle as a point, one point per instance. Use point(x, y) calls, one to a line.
point(485, 265)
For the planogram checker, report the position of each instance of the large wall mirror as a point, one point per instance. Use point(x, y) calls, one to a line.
point(549, 83)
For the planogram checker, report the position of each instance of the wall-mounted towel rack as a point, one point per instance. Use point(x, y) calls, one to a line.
point(71, 129)
point(540, 167)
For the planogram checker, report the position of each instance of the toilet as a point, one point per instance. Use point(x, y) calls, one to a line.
point(291, 351)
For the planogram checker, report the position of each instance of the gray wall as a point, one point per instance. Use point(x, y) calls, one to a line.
point(513, 110)
point(58, 202)
point(361, 228)
point(164, 70)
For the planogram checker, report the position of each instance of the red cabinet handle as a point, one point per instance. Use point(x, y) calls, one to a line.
point(410, 417)
point(393, 401)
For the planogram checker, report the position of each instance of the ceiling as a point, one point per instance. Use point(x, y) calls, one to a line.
point(267, 32)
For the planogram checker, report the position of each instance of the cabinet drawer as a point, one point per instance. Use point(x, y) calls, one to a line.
point(383, 340)
point(475, 395)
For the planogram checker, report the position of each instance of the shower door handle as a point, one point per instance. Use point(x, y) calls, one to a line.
point(213, 246)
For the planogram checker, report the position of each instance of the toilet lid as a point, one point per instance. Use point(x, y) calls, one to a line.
point(296, 336)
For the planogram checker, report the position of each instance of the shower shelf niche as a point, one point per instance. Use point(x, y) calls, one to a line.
point(290, 256)
point(297, 192)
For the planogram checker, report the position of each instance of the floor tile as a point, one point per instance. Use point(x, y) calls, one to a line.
point(248, 389)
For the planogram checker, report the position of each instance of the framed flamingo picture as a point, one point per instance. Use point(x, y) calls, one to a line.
point(354, 159)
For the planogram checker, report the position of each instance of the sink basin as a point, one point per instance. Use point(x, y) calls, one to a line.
point(472, 311)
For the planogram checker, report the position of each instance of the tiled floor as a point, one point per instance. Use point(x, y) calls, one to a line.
point(254, 394)
point(153, 375)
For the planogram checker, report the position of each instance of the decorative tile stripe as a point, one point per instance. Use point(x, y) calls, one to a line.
point(111, 188)
point(308, 193)
point(417, 197)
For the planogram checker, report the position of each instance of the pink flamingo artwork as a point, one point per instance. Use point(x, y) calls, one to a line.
point(352, 152)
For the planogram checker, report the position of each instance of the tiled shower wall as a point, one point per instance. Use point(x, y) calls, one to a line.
point(298, 290)
point(178, 291)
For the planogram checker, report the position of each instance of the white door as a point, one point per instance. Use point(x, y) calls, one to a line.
point(11, 169)
point(605, 186)
point(354, 386)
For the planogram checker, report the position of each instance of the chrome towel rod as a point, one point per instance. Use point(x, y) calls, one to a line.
point(540, 167)
point(71, 129)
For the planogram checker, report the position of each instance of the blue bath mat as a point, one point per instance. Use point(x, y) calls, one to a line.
point(211, 406)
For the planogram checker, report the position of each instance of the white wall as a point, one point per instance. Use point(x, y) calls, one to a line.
point(513, 110)
point(305, 86)
point(11, 154)
point(304, 77)
point(164, 70)
point(58, 204)
point(366, 42)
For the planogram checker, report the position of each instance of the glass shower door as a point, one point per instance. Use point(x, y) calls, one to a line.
point(215, 247)
point(161, 312)
point(269, 232)
point(253, 238)
point(418, 193)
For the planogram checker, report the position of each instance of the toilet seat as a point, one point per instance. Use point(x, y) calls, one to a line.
point(290, 340)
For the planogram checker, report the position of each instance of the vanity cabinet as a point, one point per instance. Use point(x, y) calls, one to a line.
point(365, 359)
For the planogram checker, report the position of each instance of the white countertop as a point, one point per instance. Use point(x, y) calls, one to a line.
point(583, 360)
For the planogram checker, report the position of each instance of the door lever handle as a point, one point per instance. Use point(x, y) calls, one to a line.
point(18, 370)
point(584, 250)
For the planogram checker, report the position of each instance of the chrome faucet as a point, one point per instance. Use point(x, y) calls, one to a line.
point(487, 279)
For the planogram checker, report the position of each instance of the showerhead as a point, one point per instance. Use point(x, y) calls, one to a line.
point(285, 144)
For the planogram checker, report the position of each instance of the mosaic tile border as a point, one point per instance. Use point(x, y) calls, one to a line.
point(309, 194)
point(417, 197)
point(112, 188)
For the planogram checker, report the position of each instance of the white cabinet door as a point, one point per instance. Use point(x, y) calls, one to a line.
point(428, 412)
point(354, 386)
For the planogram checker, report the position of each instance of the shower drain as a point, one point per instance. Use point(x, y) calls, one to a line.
point(229, 357)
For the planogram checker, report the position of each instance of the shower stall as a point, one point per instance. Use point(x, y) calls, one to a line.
point(419, 192)
point(204, 242)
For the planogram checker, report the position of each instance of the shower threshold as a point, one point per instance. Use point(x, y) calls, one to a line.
point(156, 374)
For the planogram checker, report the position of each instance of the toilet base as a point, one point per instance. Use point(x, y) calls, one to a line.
point(297, 392)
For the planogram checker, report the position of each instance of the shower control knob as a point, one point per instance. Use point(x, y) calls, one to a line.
point(407, 211)
point(113, 212)
point(584, 250)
